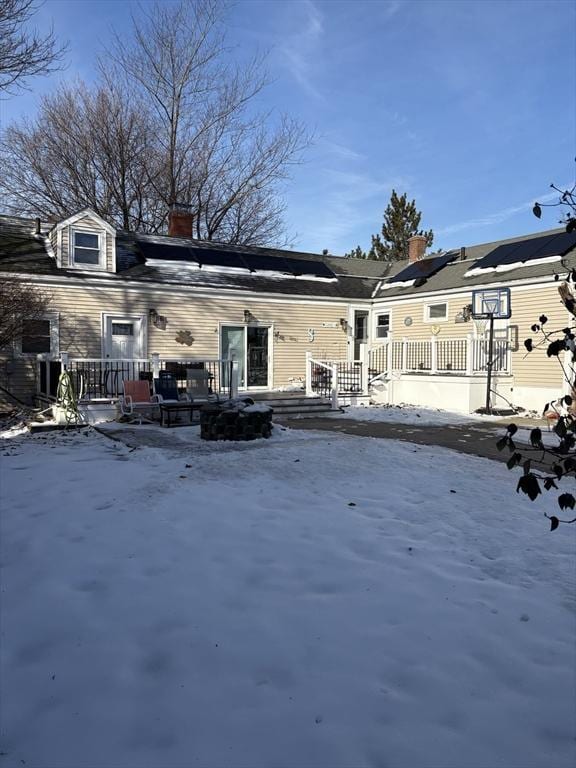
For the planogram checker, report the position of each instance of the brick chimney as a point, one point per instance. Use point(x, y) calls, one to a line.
point(180, 221)
point(416, 248)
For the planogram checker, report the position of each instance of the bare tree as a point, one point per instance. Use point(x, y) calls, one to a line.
point(23, 52)
point(171, 121)
point(19, 304)
point(214, 154)
point(85, 148)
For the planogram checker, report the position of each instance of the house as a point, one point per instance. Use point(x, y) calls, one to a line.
point(123, 296)
point(437, 353)
point(122, 304)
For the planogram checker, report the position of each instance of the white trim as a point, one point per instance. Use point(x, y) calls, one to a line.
point(86, 212)
point(270, 382)
point(54, 320)
point(107, 317)
point(59, 248)
point(435, 320)
point(350, 341)
point(376, 314)
point(72, 232)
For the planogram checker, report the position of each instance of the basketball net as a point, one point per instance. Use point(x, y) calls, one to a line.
point(480, 325)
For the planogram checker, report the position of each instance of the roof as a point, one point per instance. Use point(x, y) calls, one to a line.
point(21, 251)
point(452, 275)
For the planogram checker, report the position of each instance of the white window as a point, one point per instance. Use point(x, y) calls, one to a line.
point(39, 336)
point(382, 326)
point(86, 249)
point(436, 313)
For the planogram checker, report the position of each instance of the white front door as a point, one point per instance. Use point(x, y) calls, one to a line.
point(124, 338)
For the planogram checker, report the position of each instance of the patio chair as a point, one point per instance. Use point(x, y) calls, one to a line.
point(166, 389)
point(198, 385)
point(137, 400)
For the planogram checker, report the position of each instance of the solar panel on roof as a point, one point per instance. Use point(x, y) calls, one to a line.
point(308, 267)
point(166, 252)
point(528, 250)
point(264, 263)
point(423, 269)
point(211, 257)
point(216, 257)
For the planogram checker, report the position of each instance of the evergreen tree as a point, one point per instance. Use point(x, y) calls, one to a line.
point(401, 221)
point(355, 253)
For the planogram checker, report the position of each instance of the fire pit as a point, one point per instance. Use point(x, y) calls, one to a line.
point(235, 420)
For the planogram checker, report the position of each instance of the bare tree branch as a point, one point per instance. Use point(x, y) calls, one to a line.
point(19, 303)
point(24, 52)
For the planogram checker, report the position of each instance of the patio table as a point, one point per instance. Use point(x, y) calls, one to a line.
point(168, 410)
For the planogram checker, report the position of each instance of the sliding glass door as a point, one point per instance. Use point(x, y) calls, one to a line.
point(250, 346)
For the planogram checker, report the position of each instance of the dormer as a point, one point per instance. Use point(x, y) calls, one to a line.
point(84, 241)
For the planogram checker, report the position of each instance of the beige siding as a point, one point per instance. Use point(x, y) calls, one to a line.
point(80, 321)
point(536, 369)
point(420, 328)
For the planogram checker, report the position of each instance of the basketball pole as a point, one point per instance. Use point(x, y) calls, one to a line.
point(490, 363)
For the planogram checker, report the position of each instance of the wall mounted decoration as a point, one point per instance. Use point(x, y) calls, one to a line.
point(184, 337)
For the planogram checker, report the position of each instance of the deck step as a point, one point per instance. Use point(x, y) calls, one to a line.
point(295, 406)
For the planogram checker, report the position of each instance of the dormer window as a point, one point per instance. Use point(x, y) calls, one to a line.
point(86, 249)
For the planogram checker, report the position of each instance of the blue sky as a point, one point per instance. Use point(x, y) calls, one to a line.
point(469, 107)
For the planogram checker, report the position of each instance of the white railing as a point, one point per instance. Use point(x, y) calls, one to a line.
point(337, 378)
point(467, 356)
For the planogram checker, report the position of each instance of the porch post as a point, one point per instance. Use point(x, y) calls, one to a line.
point(388, 359)
point(64, 360)
point(469, 355)
point(364, 368)
point(334, 369)
point(433, 355)
point(155, 365)
point(404, 353)
point(309, 391)
point(234, 379)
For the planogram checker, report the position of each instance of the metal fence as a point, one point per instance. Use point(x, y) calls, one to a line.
point(321, 379)
point(103, 379)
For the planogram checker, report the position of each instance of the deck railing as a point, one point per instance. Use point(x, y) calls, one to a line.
point(463, 356)
point(103, 378)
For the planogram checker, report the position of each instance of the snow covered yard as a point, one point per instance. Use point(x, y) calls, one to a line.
point(309, 601)
point(411, 414)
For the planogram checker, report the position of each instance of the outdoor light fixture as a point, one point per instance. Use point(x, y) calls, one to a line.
point(248, 316)
point(344, 324)
point(158, 321)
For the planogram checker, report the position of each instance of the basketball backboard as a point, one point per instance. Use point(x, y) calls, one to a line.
point(493, 302)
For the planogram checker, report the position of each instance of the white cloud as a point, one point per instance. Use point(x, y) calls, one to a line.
point(299, 51)
point(352, 202)
point(494, 218)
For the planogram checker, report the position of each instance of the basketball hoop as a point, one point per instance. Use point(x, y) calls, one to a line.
point(489, 305)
